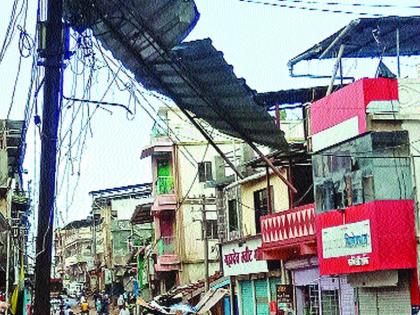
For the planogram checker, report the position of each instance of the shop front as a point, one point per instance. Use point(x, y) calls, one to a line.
point(290, 236)
point(253, 284)
point(373, 245)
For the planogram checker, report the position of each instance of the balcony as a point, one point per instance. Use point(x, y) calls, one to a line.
point(165, 195)
point(289, 234)
point(167, 259)
point(164, 185)
point(165, 245)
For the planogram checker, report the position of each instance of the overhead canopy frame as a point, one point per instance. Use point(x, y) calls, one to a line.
point(391, 36)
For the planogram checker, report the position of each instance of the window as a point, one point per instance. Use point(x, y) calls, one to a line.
point(204, 172)
point(260, 206)
point(330, 302)
point(211, 227)
point(233, 215)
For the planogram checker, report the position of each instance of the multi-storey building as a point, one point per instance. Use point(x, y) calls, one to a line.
point(114, 234)
point(257, 262)
point(14, 203)
point(73, 251)
point(364, 139)
point(184, 168)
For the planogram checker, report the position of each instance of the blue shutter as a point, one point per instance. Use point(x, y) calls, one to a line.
point(226, 305)
point(247, 299)
point(261, 294)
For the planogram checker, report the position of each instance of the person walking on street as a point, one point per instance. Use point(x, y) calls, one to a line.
point(98, 304)
point(85, 307)
point(124, 310)
point(120, 301)
point(105, 305)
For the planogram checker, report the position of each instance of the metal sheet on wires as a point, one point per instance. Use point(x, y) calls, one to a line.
point(195, 75)
point(201, 82)
point(367, 38)
point(125, 27)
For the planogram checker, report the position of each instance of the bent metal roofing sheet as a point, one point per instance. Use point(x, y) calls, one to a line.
point(201, 81)
point(137, 32)
point(194, 74)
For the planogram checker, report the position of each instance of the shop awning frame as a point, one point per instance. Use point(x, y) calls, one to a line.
point(391, 36)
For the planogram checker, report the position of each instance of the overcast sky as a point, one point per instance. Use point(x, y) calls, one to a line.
point(257, 40)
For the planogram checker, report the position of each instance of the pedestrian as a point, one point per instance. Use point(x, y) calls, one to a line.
point(105, 305)
point(98, 304)
point(68, 310)
point(124, 310)
point(85, 307)
point(120, 301)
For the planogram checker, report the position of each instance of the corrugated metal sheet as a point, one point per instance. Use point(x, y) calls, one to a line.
point(203, 83)
point(361, 37)
point(137, 32)
point(194, 74)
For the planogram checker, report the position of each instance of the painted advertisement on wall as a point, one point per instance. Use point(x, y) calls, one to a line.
point(241, 258)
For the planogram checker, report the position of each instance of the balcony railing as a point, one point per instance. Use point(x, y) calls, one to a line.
point(165, 245)
point(159, 131)
point(289, 226)
point(164, 185)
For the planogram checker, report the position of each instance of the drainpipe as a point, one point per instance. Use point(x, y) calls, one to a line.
point(397, 45)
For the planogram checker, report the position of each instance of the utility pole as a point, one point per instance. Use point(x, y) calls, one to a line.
point(50, 119)
point(206, 244)
point(8, 236)
point(94, 248)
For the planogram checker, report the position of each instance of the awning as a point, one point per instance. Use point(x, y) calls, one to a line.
point(142, 214)
point(210, 299)
point(366, 38)
point(156, 149)
point(292, 96)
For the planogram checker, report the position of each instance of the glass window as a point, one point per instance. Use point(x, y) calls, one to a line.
point(233, 215)
point(204, 172)
point(261, 205)
point(211, 229)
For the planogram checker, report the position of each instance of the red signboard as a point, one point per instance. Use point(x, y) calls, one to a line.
point(379, 235)
point(351, 101)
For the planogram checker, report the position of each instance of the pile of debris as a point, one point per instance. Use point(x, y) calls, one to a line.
point(176, 301)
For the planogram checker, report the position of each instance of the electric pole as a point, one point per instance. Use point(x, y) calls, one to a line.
point(206, 244)
point(50, 119)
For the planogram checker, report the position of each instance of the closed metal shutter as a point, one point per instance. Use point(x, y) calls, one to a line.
point(247, 298)
point(385, 300)
point(226, 305)
point(273, 287)
point(261, 295)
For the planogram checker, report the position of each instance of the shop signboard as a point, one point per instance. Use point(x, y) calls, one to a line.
point(284, 295)
point(241, 258)
point(347, 239)
point(377, 235)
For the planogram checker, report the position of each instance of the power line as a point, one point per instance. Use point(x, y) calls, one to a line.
point(352, 4)
point(289, 6)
